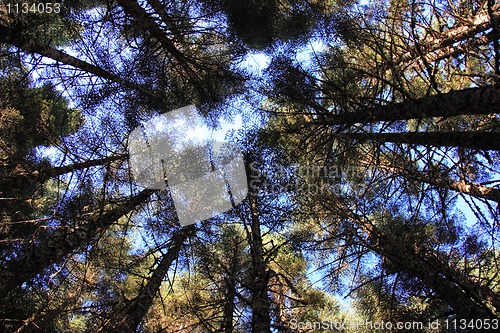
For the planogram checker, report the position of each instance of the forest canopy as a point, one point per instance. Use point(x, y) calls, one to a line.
point(369, 134)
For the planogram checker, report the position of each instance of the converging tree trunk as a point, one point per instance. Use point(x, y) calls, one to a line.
point(463, 30)
point(16, 38)
point(471, 101)
point(469, 300)
point(261, 320)
point(469, 140)
point(20, 176)
point(143, 19)
point(128, 319)
point(53, 246)
point(230, 291)
point(439, 180)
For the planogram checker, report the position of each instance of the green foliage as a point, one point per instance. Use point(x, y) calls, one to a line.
point(32, 117)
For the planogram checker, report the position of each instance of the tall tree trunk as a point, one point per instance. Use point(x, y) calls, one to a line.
point(469, 299)
point(20, 176)
point(53, 246)
point(128, 320)
point(229, 306)
point(464, 30)
point(469, 140)
point(15, 38)
point(475, 190)
point(144, 20)
point(471, 101)
point(454, 51)
point(282, 323)
point(188, 65)
point(159, 8)
point(495, 29)
point(440, 180)
point(230, 290)
point(261, 320)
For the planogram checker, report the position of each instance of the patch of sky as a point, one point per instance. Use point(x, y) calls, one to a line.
point(216, 134)
point(308, 52)
point(255, 62)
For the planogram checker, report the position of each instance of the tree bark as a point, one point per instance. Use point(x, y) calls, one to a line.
point(129, 319)
point(453, 51)
point(477, 24)
point(470, 300)
point(53, 246)
point(442, 181)
point(187, 65)
point(468, 140)
point(471, 101)
point(40, 175)
point(159, 8)
point(16, 39)
point(261, 321)
point(230, 290)
point(475, 190)
point(144, 20)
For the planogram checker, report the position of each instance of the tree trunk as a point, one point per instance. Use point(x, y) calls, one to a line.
point(159, 8)
point(442, 181)
point(261, 320)
point(465, 30)
point(53, 246)
point(454, 51)
point(471, 101)
point(131, 317)
point(186, 62)
point(227, 322)
point(469, 299)
point(468, 140)
point(282, 323)
point(19, 177)
point(144, 20)
point(230, 289)
point(16, 39)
